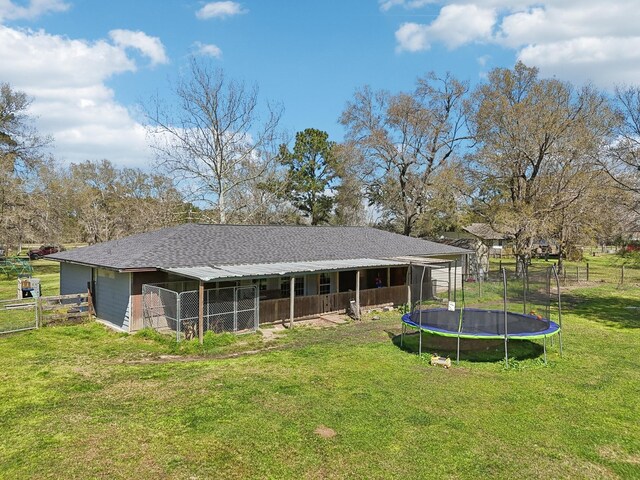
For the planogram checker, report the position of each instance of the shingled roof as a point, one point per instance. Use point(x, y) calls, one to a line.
point(484, 231)
point(193, 245)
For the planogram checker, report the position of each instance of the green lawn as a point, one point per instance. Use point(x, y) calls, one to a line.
point(47, 271)
point(83, 402)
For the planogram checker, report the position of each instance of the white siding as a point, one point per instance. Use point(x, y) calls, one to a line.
point(442, 278)
point(74, 278)
point(113, 297)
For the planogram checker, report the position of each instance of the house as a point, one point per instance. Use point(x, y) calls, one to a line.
point(483, 240)
point(265, 273)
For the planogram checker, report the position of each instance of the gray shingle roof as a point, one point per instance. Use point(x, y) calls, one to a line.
point(193, 245)
point(484, 231)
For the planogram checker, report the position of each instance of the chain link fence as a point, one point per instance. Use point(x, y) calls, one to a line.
point(160, 308)
point(230, 309)
point(18, 314)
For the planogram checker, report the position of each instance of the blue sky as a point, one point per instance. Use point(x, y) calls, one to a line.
point(88, 63)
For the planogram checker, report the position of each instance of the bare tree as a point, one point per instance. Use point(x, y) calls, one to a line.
point(110, 202)
point(211, 139)
point(405, 139)
point(21, 149)
point(623, 159)
point(529, 130)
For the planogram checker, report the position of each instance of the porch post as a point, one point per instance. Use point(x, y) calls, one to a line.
point(292, 295)
point(388, 276)
point(201, 312)
point(358, 294)
point(408, 278)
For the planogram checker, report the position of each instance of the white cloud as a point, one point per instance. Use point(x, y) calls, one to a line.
point(220, 10)
point(483, 59)
point(576, 40)
point(149, 46)
point(454, 26)
point(605, 61)
point(386, 5)
point(208, 50)
point(413, 37)
point(9, 10)
point(389, 4)
point(66, 79)
point(31, 59)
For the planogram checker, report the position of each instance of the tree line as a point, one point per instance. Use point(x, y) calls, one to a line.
point(534, 157)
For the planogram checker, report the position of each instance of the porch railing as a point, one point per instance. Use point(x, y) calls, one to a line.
point(278, 309)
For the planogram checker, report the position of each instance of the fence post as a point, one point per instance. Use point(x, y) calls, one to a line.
point(37, 311)
point(292, 299)
point(178, 316)
point(235, 309)
point(201, 312)
point(622, 276)
point(256, 303)
point(577, 274)
point(587, 271)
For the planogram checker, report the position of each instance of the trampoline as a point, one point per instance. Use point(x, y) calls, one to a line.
point(481, 324)
point(535, 293)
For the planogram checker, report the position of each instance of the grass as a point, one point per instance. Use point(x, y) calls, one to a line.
point(83, 402)
point(46, 270)
point(603, 268)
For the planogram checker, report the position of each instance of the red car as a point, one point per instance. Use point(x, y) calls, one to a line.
point(36, 253)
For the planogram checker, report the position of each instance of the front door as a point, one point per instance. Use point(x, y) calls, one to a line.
point(326, 303)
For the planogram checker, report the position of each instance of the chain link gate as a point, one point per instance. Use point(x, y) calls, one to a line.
point(159, 308)
point(18, 314)
point(230, 309)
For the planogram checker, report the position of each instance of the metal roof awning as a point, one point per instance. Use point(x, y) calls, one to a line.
point(257, 270)
point(425, 260)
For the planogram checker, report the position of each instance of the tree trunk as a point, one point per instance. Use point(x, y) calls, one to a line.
point(560, 266)
point(522, 259)
point(221, 212)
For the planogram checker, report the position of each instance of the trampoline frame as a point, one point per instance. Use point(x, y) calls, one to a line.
point(553, 329)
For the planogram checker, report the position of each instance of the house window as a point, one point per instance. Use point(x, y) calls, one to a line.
point(261, 283)
point(325, 283)
point(285, 287)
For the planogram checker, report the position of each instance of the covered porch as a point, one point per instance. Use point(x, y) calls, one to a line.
point(296, 290)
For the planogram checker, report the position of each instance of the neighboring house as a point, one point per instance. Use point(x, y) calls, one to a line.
point(477, 250)
point(483, 240)
point(544, 247)
point(325, 266)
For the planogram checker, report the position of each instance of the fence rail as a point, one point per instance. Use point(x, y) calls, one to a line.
point(622, 275)
point(29, 313)
point(65, 308)
point(588, 272)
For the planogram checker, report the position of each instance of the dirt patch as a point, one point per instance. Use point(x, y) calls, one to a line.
point(325, 432)
point(197, 358)
point(614, 453)
point(272, 333)
point(326, 320)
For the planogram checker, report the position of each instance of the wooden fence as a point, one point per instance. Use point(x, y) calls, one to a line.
point(278, 309)
point(65, 308)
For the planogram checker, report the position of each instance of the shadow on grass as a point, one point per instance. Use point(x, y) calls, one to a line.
point(470, 349)
point(608, 307)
